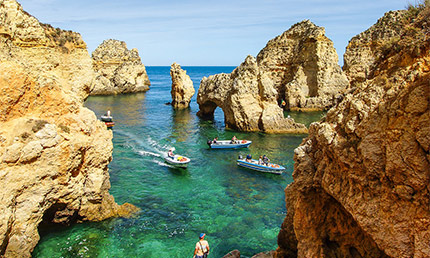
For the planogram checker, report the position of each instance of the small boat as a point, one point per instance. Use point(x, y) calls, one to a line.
point(108, 120)
point(229, 145)
point(177, 161)
point(253, 164)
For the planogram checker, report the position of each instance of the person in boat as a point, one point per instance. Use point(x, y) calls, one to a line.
point(260, 161)
point(266, 160)
point(233, 140)
point(248, 158)
point(108, 114)
point(170, 153)
point(202, 247)
point(215, 140)
point(283, 104)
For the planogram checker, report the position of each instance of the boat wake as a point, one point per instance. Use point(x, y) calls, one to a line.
point(148, 153)
point(146, 147)
point(161, 163)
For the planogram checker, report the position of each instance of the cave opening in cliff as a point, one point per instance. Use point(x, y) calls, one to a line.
point(56, 218)
point(210, 111)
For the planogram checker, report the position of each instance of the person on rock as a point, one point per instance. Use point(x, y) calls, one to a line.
point(202, 247)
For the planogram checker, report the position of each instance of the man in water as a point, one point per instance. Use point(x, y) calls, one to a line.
point(202, 247)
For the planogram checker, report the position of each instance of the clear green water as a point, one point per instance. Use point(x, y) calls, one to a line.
point(237, 208)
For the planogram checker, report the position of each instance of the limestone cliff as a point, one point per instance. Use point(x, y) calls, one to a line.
point(119, 70)
point(53, 151)
point(365, 49)
point(182, 87)
point(248, 100)
point(362, 179)
point(303, 66)
point(300, 66)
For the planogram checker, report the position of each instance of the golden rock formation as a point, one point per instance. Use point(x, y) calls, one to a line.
point(54, 153)
point(182, 87)
point(362, 177)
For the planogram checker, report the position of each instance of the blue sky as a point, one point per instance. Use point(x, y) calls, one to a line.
point(192, 32)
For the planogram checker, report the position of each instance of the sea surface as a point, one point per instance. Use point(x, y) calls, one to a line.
point(237, 208)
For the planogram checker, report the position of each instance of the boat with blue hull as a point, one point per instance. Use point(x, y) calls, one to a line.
point(229, 144)
point(253, 164)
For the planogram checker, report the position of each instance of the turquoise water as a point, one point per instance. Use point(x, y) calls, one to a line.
point(237, 208)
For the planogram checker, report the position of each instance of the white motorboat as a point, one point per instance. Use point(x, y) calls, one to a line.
point(254, 165)
point(223, 144)
point(177, 161)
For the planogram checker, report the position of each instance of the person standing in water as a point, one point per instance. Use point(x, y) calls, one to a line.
point(202, 247)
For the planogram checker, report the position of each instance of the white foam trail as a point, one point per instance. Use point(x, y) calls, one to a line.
point(162, 163)
point(148, 153)
point(150, 147)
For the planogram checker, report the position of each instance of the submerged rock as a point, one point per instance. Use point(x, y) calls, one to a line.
point(118, 69)
point(232, 254)
point(362, 177)
point(182, 87)
point(54, 152)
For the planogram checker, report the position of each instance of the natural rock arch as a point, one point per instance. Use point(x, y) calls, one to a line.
point(247, 99)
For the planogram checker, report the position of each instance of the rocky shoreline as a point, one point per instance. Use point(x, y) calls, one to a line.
point(361, 177)
point(118, 69)
point(54, 152)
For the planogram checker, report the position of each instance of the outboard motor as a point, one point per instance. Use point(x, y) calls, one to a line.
point(240, 157)
point(209, 142)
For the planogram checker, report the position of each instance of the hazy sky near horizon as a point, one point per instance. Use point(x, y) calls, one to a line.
point(192, 32)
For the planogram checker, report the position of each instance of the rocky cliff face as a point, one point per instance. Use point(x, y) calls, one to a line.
point(303, 66)
point(300, 66)
point(118, 69)
point(182, 87)
point(53, 151)
point(248, 100)
point(362, 177)
point(365, 49)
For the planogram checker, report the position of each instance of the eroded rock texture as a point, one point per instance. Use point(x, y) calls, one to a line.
point(118, 69)
point(365, 49)
point(300, 66)
point(248, 100)
point(362, 177)
point(182, 87)
point(53, 151)
point(303, 66)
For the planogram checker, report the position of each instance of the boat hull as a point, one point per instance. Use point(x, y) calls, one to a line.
point(177, 161)
point(109, 124)
point(271, 168)
point(228, 145)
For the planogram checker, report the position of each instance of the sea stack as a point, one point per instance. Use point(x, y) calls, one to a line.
point(118, 69)
point(248, 100)
point(361, 178)
point(298, 68)
point(304, 68)
point(54, 153)
point(182, 87)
